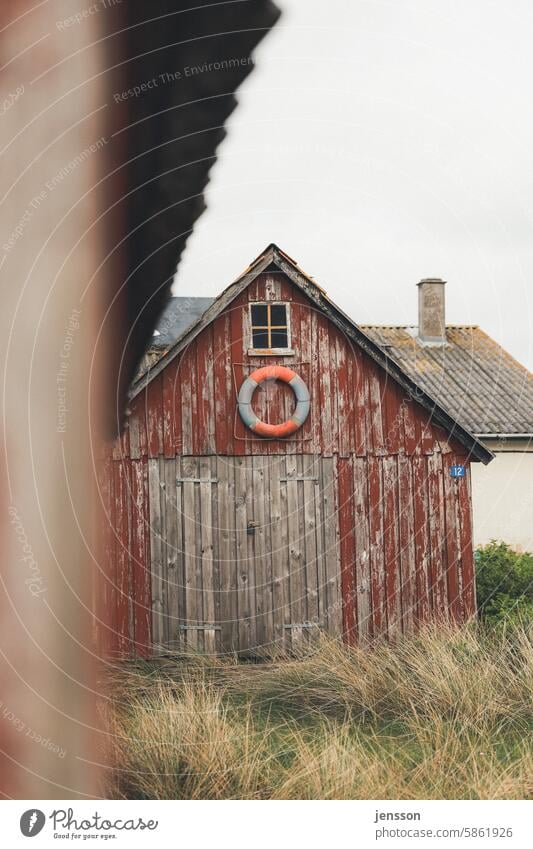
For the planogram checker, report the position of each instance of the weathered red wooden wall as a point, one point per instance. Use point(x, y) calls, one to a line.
point(405, 524)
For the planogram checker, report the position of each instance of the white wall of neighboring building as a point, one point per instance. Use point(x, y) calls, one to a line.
point(502, 496)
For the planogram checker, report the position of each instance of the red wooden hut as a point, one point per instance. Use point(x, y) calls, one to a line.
point(224, 535)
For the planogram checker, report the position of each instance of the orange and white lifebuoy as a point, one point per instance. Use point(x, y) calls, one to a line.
point(298, 386)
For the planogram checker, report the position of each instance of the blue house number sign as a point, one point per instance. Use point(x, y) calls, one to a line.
point(457, 471)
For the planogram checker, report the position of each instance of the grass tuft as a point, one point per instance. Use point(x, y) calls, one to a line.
point(445, 714)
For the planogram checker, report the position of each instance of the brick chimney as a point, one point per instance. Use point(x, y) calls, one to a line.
point(431, 311)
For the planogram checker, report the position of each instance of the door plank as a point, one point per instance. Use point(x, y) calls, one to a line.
point(189, 469)
point(158, 611)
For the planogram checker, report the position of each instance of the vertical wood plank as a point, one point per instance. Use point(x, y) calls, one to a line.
point(391, 541)
point(311, 559)
point(194, 401)
point(223, 388)
point(428, 441)
point(325, 400)
point(393, 416)
point(409, 427)
point(154, 416)
point(322, 585)
point(216, 535)
point(304, 630)
point(142, 602)
point(376, 417)
point(172, 573)
point(361, 412)
point(186, 385)
point(200, 616)
point(347, 548)
point(206, 559)
point(227, 554)
point(177, 595)
point(331, 541)
point(269, 605)
point(169, 410)
point(362, 549)
point(237, 356)
point(342, 390)
point(295, 553)
point(251, 564)
point(108, 566)
point(421, 532)
point(437, 537)
point(304, 342)
point(243, 597)
point(262, 589)
point(315, 388)
point(377, 561)
point(134, 434)
point(158, 624)
point(204, 422)
point(407, 543)
point(122, 558)
point(189, 469)
point(277, 518)
point(164, 555)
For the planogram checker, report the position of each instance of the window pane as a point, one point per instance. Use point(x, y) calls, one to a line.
point(278, 314)
point(279, 338)
point(260, 338)
point(259, 315)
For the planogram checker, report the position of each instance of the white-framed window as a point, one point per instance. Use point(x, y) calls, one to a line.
point(270, 327)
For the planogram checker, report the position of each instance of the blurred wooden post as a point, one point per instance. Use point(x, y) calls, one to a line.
point(53, 155)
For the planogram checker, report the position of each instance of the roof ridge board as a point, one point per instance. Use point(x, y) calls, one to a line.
point(280, 255)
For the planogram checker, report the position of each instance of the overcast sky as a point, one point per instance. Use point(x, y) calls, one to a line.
point(378, 143)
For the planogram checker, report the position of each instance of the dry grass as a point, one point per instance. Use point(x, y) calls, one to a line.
point(444, 715)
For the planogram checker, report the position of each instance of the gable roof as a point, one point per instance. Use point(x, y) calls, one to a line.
point(272, 255)
point(473, 377)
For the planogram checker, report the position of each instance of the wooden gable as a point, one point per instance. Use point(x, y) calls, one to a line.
point(190, 406)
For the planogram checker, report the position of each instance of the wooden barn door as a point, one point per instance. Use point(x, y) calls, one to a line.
point(244, 552)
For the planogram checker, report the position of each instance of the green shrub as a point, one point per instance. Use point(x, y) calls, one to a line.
point(504, 581)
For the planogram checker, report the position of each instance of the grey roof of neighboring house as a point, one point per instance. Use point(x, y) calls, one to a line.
point(178, 315)
point(471, 376)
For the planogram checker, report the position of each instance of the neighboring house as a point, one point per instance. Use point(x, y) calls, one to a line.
point(282, 474)
point(486, 391)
